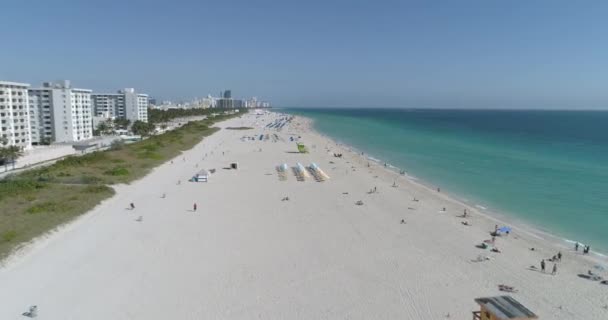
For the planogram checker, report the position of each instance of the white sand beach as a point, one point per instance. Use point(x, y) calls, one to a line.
point(247, 254)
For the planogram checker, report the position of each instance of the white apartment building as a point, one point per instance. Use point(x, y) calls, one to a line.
point(139, 110)
point(60, 113)
point(125, 104)
point(110, 104)
point(14, 115)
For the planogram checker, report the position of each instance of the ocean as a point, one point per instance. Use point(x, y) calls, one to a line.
point(548, 169)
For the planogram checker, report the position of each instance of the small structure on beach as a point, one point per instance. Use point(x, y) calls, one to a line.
point(502, 308)
point(301, 148)
point(201, 176)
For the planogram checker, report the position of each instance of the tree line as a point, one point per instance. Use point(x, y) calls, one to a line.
point(8, 154)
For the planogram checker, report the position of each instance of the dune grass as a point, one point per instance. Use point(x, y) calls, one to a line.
point(239, 128)
point(39, 200)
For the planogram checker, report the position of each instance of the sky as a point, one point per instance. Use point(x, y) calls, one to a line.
point(411, 54)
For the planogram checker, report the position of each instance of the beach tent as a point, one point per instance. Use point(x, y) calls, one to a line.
point(502, 308)
point(201, 176)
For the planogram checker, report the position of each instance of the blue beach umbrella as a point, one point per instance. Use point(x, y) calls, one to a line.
point(505, 229)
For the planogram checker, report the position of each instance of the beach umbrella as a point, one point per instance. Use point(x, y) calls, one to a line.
point(504, 229)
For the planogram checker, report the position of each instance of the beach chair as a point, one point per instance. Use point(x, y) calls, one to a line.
point(481, 258)
point(482, 245)
point(506, 288)
point(319, 175)
point(298, 174)
point(303, 170)
point(282, 171)
point(315, 174)
point(32, 313)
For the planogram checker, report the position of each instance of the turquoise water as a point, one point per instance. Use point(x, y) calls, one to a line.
point(548, 168)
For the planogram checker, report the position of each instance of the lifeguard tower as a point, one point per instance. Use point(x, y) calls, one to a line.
point(301, 148)
point(502, 308)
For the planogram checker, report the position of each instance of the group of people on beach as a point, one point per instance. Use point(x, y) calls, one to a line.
point(542, 267)
point(555, 259)
point(586, 249)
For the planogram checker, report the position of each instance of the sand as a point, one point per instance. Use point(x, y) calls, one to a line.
point(246, 254)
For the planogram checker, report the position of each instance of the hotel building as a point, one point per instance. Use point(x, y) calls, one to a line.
point(14, 115)
point(126, 104)
point(60, 113)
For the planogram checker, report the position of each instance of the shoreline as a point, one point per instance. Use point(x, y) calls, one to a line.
point(496, 215)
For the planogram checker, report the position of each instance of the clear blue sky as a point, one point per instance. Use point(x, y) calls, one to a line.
point(453, 53)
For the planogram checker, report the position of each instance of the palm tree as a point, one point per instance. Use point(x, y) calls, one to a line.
point(104, 127)
point(142, 128)
point(4, 157)
point(11, 153)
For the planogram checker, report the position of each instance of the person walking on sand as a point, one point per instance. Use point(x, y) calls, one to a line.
point(554, 269)
point(559, 256)
point(542, 265)
point(132, 205)
point(576, 247)
point(194, 207)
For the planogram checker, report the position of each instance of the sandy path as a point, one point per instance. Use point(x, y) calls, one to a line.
point(246, 254)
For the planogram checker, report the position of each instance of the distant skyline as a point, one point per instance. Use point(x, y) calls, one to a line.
point(409, 54)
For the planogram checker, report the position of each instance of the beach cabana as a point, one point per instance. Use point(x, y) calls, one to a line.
point(201, 176)
point(502, 308)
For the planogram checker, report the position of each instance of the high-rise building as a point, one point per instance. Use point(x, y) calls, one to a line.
point(225, 103)
point(126, 104)
point(60, 113)
point(108, 104)
point(14, 115)
point(228, 94)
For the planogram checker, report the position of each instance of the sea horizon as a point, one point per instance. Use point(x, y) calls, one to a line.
point(599, 109)
point(569, 160)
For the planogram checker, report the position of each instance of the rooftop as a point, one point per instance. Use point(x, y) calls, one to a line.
point(505, 307)
point(17, 84)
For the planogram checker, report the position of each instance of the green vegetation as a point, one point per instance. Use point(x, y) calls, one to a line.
point(121, 123)
point(9, 154)
point(239, 128)
point(39, 200)
point(103, 128)
point(158, 116)
point(142, 128)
